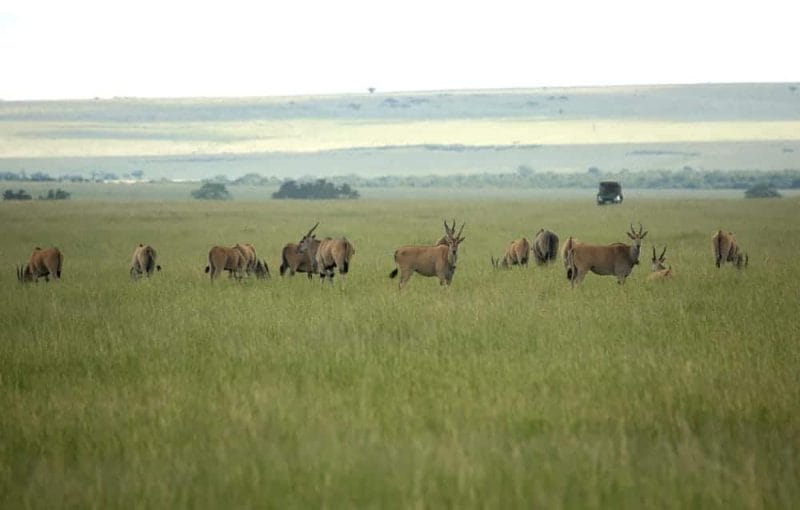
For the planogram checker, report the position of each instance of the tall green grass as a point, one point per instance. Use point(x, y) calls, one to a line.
point(508, 389)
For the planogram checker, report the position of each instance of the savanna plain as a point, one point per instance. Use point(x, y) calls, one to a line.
point(508, 389)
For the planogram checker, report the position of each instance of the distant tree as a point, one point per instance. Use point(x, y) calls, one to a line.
point(371, 90)
point(137, 174)
point(317, 190)
point(41, 177)
point(593, 171)
point(252, 179)
point(211, 191)
point(762, 190)
point(57, 194)
point(18, 195)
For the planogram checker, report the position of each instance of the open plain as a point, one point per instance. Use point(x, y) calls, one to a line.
point(508, 389)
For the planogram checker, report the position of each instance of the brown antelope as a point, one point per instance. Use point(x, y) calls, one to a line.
point(42, 263)
point(660, 271)
point(545, 247)
point(295, 260)
point(517, 254)
point(252, 264)
point(143, 262)
point(438, 260)
point(221, 259)
point(333, 253)
point(726, 249)
point(616, 259)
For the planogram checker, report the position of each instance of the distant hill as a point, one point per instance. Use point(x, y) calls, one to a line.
point(720, 127)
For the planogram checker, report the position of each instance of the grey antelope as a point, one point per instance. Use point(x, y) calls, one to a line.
point(42, 263)
point(143, 262)
point(438, 260)
point(726, 249)
point(660, 271)
point(545, 247)
point(517, 254)
point(221, 259)
point(615, 259)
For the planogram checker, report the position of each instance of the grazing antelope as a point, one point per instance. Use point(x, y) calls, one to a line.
point(295, 260)
point(333, 253)
point(726, 249)
point(262, 270)
point(252, 264)
point(545, 247)
point(42, 263)
point(221, 259)
point(143, 262)
point(660, 271)
point(438, 260)
point(517, 254)
point(616, 259)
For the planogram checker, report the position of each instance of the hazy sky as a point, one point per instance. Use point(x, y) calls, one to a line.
point(105, 48)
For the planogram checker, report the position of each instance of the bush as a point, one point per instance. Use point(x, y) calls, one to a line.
point(762, 191)
point(211, 191)
point(58, 194)
point(317, 190)
point(18, 195)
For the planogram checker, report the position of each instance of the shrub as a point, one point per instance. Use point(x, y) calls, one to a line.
point(317, 190)
point(58, 194)
point(762, 190)
point(211, 191)
point(16, 195)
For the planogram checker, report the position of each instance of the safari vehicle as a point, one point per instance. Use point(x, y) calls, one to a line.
point(610, 192)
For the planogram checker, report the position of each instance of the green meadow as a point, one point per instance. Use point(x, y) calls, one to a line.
point(508, 389)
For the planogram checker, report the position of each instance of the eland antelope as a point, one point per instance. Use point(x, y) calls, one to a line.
point(42, 263)
point(517, 254)
point(615, 259)
point(660, 271)
point(727, 249)
point(143, 262)
point(438, 260)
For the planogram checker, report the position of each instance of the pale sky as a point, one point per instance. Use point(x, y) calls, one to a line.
point(159, 48)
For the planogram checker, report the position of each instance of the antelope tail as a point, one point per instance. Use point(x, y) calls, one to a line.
point(208, 268)
point(284, 264)
point(718, 248)
point(393, 273)
point(60, 263)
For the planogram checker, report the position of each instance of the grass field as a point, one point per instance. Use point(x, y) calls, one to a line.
point(506, 390)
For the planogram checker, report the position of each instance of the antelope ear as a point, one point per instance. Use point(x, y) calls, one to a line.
point(630, 235)
point(643, 235)
point(461, 239)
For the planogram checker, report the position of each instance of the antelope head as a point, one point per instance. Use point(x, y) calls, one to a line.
point(658, 262)
point(453, 240)
point(636, 237)
point(306, 240)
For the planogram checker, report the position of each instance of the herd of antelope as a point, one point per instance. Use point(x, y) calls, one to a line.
point(323, 256)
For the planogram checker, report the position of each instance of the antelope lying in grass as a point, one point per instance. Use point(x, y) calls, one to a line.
point(517, 254)
point(545, 247)
point(438, 260)
point(660, 271)
point(42, 263)
point(143, 262)
point(616, 259)
point(726, 249)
